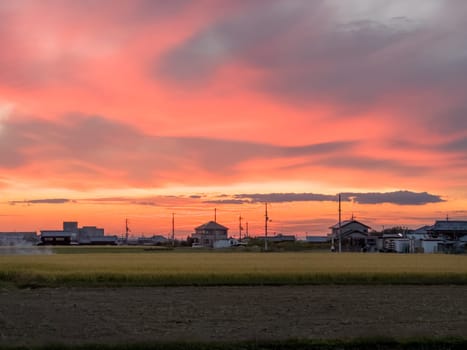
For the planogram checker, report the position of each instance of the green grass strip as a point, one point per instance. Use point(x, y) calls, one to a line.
point(27, 279)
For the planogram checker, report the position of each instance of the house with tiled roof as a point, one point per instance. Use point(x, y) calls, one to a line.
point(353, 234)
point(209, 233)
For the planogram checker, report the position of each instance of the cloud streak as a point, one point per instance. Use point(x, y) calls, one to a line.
point(397, 197)
point(93, 147)
point(42, 201)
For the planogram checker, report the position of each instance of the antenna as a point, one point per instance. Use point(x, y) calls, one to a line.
point(173, 229)
point(215, 214)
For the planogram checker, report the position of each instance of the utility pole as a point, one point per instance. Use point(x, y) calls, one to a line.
point(127, 230)
point(247, 234)
point(266, 218)
point(240, 228)
point(215, 214)
point(340, 228)
point(173, 229)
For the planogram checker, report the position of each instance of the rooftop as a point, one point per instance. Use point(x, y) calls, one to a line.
point(450, 225)
point(211, 225)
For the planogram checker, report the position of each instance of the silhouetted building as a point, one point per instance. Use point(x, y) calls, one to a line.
point(353, 235)
point(208, 233)
point(449, 229)
point(72, 234)
point(18, 238)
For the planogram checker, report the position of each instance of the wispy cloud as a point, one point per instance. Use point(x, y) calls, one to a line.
point(114, 145)
point(42, 201)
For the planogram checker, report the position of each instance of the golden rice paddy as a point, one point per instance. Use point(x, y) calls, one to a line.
point(242, 268)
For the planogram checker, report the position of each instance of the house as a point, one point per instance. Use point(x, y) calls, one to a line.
point(209, 233)
point(353, 235)
point(448, 229)
point(420, 233)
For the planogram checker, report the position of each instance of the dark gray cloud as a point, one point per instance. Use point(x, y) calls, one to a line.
point(397, 197)
point(306, 53)
point(285, 197)
point(457, 146)
point(42, 201)
point(227, 201)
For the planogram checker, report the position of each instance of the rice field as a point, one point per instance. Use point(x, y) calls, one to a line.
point(151, 268)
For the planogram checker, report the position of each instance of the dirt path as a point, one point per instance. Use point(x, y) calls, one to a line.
point(229, 313)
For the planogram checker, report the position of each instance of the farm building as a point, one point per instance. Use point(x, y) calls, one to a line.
point(209, 233)
point(18, 238)
point(354, 235)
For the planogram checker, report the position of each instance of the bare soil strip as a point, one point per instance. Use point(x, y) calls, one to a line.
point(168, 314)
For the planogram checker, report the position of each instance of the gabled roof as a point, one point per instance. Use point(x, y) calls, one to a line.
point(348, 222)
point(449, 225)
point(423, 229)
point(211, 225)
point(350, 233)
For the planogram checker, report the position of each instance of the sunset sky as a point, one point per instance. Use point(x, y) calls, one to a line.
point(142, 108)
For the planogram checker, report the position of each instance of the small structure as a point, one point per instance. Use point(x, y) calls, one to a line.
point(227, 243)
point(278, 238)
point(432, 245)
point(18, 238)
point(353, 234)
point(154, 240)
point(209, 233)
point(317, 239)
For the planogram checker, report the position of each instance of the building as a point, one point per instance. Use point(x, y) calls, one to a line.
point(448, 229)
point(227, 243)
point(317, 239)
point(154, 240)
point(91, 235)
point(18, 238)
point(209, 233)
point(353, 235)
point(278, 238)
point(57, 237)
point(72, 234)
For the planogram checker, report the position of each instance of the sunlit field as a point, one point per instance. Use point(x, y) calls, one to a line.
point(103, 267)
